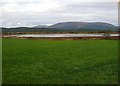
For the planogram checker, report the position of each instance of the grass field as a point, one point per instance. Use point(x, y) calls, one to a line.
point(60, 62)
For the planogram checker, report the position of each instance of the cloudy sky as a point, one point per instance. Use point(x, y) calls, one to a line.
point(15, 13)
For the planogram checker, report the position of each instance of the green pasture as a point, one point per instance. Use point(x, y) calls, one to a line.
point(59, 61)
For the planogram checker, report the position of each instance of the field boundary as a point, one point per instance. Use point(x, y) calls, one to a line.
point(68, 38)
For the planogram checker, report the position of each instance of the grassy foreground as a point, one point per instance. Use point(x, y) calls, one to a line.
point(60, 62)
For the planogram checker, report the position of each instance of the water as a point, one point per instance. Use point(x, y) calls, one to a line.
point(59, 35)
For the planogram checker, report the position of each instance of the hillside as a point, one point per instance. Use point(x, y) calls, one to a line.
point(79, 25)
point(66, 27)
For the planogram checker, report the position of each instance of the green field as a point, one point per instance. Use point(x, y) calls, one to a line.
point(60, 61)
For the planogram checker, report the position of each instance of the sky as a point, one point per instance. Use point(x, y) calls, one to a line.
point(20, 13)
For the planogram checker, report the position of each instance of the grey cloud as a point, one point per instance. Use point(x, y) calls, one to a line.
point(92, 11)
point(90, 7)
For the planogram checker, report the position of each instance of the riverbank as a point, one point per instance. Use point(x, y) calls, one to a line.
point(63, 36)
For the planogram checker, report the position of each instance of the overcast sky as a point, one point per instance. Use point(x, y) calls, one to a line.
point(36, 12)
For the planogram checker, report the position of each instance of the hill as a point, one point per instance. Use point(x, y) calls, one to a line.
point(79, 25)
point(66, 27)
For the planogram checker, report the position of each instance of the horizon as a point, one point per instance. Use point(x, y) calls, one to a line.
point(57, 23)
point(48, 12)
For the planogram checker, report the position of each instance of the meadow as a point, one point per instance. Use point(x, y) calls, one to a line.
point(60, 61)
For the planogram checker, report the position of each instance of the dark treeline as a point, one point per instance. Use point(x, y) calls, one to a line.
point(55, 30)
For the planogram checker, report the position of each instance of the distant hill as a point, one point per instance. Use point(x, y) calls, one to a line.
point(40, 26)
point(79, 25)
point(66, 27)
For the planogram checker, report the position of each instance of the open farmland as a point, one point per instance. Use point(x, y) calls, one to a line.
point(60, 61)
